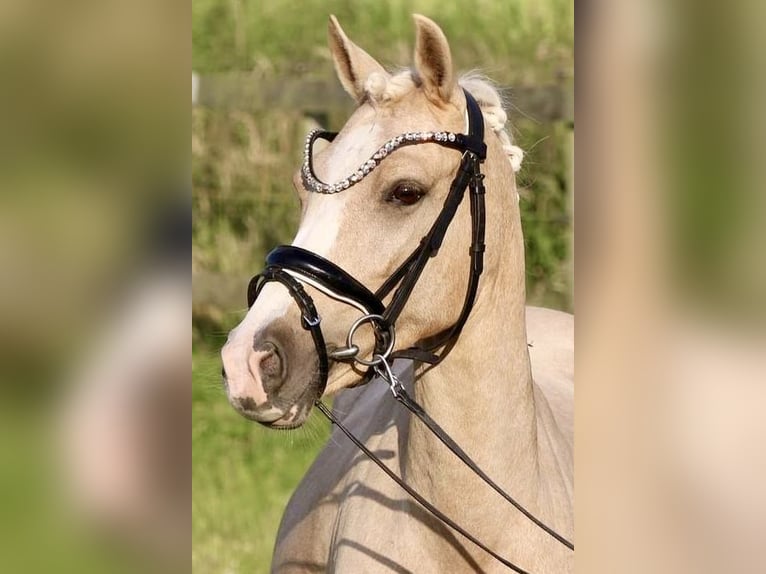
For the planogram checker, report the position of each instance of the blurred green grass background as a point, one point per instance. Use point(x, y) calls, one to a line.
point(243, 204)
point(242, 476)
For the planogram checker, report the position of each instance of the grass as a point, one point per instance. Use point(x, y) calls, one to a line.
point(242, 474)
point(514, 40)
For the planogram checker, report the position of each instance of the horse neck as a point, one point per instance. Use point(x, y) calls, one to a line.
point(482, 393)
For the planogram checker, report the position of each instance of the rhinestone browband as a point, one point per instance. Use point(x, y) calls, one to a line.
point(312, 183)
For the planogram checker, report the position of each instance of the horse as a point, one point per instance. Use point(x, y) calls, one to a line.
point(502, 387)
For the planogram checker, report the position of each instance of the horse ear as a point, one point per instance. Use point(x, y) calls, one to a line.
point(352, 64)
point(433, 60)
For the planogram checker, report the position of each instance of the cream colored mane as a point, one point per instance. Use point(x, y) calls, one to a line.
point(380, 89)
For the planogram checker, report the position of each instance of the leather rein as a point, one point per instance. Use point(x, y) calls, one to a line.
point(293, 267)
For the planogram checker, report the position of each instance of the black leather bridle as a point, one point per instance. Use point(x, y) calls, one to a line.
point(293, 267)
point(304, 266)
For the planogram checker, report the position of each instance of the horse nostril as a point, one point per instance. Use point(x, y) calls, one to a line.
point(270, 363)
point(270, 366)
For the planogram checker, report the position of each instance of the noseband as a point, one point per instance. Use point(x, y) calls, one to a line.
point(295, 267)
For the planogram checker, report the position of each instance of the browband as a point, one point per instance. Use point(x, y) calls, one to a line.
point(472, 142)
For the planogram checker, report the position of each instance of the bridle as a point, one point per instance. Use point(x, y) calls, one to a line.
point(304, 267)
point(295, 267)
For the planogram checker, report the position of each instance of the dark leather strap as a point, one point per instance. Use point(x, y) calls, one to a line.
point(472, 143)
point(413, 493)
point(310, 319)
point(431, 243)
point(411, 269)
point(326, 273)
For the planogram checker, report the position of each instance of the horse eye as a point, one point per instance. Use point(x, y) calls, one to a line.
point(405, 194)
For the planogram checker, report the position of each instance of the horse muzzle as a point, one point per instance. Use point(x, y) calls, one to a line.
point(272, 377)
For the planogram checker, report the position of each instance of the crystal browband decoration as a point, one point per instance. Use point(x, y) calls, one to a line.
point(313, 184)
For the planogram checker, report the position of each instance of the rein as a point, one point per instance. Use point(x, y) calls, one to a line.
point(293, 266)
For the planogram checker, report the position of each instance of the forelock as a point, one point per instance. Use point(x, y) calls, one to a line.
point(382, 89)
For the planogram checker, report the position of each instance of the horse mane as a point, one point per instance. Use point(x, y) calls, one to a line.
point(388, 89)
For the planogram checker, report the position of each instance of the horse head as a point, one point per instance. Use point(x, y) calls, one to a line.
point(367, 199)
